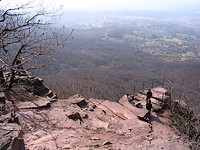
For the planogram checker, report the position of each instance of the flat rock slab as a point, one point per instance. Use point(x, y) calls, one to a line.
point(34, 104)
point(142, 97)
point(119, 110)
point(158, 93)
point(136, 111)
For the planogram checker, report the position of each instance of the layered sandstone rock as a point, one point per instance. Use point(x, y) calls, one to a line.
point(79, 123)
point(70, 124)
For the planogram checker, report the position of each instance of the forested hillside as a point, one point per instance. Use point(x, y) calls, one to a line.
point(108, 56)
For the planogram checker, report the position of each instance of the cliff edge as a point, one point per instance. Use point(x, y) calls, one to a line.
point(32, 117)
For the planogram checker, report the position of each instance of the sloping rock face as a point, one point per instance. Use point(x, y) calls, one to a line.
point(36, 86)
point(79, 123)
point(10, 131)
point(11, 104)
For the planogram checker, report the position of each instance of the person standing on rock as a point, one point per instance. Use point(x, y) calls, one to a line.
point(149, 106)
point(149, 95)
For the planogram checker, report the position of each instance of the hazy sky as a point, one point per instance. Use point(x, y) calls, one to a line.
point(128, 4)
point(113, 4)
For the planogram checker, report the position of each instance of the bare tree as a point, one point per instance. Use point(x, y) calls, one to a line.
point(25, 36)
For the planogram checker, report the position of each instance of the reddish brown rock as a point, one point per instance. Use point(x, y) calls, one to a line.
point(34, 104)
point(110, 125)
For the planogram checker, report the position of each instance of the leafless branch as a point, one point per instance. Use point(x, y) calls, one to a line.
point(26, 35)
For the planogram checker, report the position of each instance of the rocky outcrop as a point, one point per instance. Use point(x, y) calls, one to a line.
point(10, 130)
point(158, 93)
point(161, 98)
point(36, 86)
point(70, 124)
point(14, 101)
point(79, 123)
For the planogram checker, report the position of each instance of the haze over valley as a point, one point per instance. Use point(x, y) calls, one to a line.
point(111, 53)
point(99, 74)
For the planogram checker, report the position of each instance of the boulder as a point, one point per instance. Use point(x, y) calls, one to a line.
point(39, 88)
point(75, 116)
point(78, 100)
point(81, 103)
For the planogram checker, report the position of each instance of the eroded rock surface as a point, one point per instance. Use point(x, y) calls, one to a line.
point(69, 124)
point(79, 123)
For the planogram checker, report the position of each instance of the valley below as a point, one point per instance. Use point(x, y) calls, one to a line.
point(109, 55)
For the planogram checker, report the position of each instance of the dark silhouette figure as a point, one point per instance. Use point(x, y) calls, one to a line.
point(149, 106)
point(149, 95)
